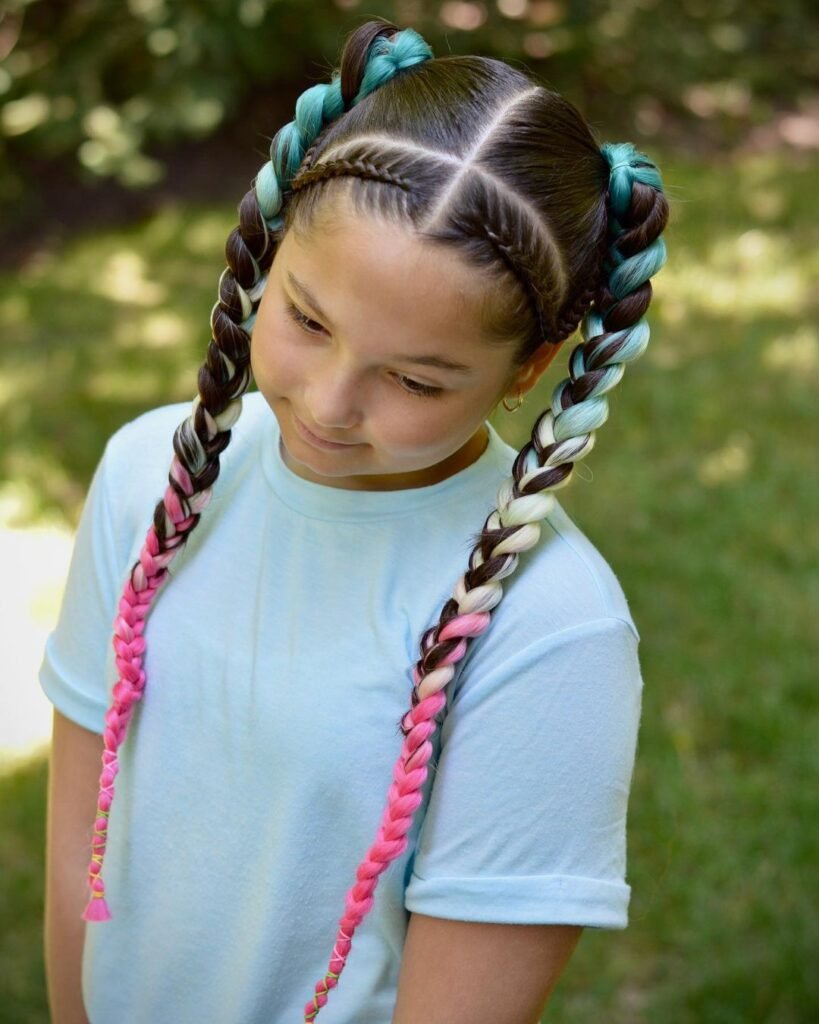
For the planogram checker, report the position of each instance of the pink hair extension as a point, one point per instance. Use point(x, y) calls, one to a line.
point(129, 643)
point(521, 512)
point(403, 798)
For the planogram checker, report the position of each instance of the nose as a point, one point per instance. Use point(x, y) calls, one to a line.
point(333, 398)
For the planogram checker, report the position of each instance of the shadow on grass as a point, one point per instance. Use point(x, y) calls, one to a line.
point(22, 866)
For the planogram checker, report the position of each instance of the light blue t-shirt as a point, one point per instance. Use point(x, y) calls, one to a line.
point(255, 771)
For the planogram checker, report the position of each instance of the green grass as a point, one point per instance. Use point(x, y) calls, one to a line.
point(22, 865)
point(703, 500)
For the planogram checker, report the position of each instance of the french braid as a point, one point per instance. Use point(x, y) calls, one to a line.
point(223, 378)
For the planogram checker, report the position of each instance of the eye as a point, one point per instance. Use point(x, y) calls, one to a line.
point(415, 387)
point(412, 387)
point(306, 324)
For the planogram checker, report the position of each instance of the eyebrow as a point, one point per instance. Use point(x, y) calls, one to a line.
point(437, 361)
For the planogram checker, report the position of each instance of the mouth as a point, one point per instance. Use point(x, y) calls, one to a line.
point(316, 440)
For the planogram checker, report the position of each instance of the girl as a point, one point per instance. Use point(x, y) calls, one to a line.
point(426, 235)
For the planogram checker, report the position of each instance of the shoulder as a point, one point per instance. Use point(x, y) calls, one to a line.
point(567, 580)
point(137, 458)
point(141, 440)
point(564, 581)
point(563, 613)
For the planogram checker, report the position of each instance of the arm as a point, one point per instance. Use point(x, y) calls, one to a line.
point(74, 772)
point(466, 972)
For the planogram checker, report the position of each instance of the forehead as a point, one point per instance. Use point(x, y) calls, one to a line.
point(368, 275)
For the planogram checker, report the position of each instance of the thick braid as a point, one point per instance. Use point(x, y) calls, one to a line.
point(614, 335)
point(323, 103)
point(222, 380)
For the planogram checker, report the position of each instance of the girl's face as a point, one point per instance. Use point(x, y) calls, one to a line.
point(368, 348)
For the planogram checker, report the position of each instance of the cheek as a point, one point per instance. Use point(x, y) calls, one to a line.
point(423, 426)
point(275, 361)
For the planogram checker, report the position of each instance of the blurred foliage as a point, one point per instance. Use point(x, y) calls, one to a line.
point(101, 85)
point(104, 81)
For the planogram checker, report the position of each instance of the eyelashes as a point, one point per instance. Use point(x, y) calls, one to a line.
point(415, 387)
point(412, 387)
point(311, 326)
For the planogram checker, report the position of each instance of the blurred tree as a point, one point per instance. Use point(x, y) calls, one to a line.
point(105, 82)
point(102, 86)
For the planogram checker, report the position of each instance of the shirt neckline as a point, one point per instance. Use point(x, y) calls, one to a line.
point(339, 504)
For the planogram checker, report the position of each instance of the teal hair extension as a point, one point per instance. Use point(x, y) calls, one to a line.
point(323, 103)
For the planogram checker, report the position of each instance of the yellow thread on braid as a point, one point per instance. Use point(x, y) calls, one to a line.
point(329, 974)
point(97, 857)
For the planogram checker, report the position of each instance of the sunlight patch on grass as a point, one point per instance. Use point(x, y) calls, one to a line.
point(682, 726)
point(207, 232)
point(15, 309)
point(34, 473)
point(37, 560)
point(184, 385)
point(161, 329)
point(765, 203)
point(123, 279)
point(729, 463)
point(742, 277)
point(28, 377)
point(111, 385)
point(796, 353)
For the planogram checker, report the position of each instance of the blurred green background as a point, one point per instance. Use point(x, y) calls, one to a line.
point(128, 134)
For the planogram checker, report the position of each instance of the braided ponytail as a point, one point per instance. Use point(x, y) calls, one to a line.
point(615, 333)
point(563, 434)
point(368, 61)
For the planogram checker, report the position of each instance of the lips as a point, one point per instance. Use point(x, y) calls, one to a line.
point(309, 435)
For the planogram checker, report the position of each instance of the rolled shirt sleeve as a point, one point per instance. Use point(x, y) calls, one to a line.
point(526, 821)
point(75, 672)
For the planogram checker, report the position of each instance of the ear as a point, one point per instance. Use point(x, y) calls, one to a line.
point(534, 367)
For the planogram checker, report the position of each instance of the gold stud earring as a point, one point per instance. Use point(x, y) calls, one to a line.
point(513, 408)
